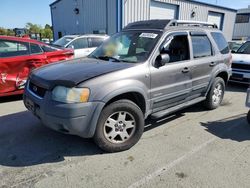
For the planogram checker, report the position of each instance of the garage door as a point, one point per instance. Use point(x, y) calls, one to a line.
point(216, 18)
point(160, 10)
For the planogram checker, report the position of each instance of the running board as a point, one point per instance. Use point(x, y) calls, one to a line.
point(171, 110)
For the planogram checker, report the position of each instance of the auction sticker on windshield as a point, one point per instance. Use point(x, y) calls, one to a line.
point(148, 35)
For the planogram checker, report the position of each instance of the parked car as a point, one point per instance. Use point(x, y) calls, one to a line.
point(18, 56)
point(241, 64)
point(149, 69)
point(83, 45)
point(235, 45)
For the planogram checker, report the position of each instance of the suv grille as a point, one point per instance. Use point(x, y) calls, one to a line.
point(241, 66)
point(39, 91)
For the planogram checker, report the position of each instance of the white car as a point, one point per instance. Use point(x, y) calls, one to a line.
point(241, 64)
point(83, 45)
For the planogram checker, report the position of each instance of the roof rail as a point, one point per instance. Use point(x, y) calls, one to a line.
point(191, 23)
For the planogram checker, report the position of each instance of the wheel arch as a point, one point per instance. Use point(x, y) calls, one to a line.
point(135, 95)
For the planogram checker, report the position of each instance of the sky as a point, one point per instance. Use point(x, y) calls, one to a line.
point(16, 13)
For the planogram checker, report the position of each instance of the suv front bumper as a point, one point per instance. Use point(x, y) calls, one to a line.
point(239, 76)
point(75, 118)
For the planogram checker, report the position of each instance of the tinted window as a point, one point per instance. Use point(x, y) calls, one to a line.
point(201, 46)
point(79, 43)
point(221, 42)
point(177, 48)
point(35, 49)
point(47, 48)
point(13, 48)
point(242, 18)
point(95, 42)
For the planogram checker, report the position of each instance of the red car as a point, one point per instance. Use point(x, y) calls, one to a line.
point(18, 56)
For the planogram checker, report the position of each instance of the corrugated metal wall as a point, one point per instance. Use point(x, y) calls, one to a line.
point(242, 30)
point(135, 10)
point(93, 15)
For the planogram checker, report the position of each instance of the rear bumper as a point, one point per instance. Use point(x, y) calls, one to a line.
point(76, 119)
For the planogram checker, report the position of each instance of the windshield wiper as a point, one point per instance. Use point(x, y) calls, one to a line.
point(106, 58)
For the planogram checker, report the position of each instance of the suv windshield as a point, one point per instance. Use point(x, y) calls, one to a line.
point(63, 41)
point(128, 46)
point(245, 48)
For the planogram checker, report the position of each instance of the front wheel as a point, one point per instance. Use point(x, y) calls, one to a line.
point(120, 126)
point(216, 94)
point(248, 117)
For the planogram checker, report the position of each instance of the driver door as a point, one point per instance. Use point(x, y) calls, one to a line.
point(171, 83)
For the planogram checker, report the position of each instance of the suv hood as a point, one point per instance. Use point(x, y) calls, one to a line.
point(71, 73)
point(241, 58)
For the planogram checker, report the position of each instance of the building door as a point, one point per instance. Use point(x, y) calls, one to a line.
point(216, 18)
point(159, 10)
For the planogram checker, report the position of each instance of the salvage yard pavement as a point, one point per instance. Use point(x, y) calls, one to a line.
point(192, 148)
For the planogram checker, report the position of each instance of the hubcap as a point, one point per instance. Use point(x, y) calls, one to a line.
point(217, 94)
point(119, 127)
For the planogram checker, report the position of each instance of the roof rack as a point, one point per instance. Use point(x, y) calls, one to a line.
point(192, 23)
point(165, 24)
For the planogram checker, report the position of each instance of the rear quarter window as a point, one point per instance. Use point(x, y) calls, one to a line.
point(47, 48)
point(221, 42)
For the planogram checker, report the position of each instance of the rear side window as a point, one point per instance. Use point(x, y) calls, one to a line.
point(221, 42)
point(35, 49)
point(201, 46)
point(47, 48)
point(13, 48)
point(95, 42)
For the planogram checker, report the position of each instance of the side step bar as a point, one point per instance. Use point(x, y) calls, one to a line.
point(171, 110)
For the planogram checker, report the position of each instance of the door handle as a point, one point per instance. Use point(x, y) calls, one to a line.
point(212, 64)
point(185, 70)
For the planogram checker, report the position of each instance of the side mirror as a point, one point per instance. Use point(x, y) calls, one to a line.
point(71, 46)
point(162, 60)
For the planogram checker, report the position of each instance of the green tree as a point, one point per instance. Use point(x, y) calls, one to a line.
point(34, 28)
point(10, 32)
point(3, 31)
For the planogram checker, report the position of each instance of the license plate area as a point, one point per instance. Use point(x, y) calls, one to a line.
point(238, 76)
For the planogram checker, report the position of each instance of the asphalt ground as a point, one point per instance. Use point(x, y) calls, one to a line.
point(192, 148)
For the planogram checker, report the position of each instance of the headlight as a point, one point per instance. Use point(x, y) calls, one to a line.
point(70, 95)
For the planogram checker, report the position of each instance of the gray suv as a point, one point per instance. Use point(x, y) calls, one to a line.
point(149, 69)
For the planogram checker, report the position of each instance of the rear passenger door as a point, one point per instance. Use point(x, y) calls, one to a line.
point(14, 62)
point(204, 60)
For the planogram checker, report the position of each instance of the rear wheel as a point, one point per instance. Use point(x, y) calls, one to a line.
point(120, 126)
point(216, 94)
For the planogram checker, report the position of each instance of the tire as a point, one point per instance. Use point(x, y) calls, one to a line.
point(120, 126)
point(215, 94)
point(248, 117)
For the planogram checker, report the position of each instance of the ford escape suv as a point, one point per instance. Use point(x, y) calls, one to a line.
point(149, 69)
